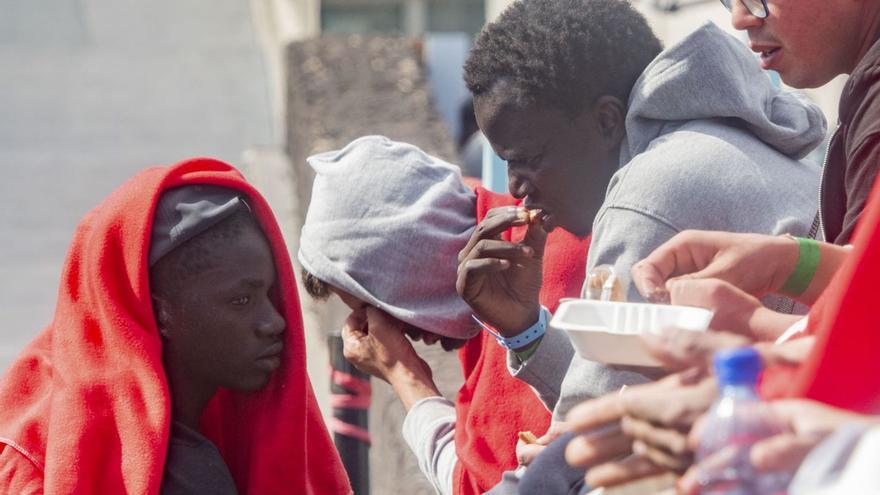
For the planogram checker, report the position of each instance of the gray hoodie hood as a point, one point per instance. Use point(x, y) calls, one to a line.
point(724, 81)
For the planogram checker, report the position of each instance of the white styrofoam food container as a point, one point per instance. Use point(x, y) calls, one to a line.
point(609, 332)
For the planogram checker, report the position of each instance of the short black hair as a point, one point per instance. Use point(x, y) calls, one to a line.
point(196, 255)
point(314, 286)
point(562, 53)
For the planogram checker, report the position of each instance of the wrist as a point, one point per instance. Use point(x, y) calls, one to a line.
point(530, 316)
point(520, 340)
point(767, 325)
point(787, 249)
point(800, 278)
point(412, 387)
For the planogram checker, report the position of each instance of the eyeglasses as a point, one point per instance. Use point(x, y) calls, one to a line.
point(757, 8)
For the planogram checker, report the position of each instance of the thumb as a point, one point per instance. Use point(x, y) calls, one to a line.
point(536, 238)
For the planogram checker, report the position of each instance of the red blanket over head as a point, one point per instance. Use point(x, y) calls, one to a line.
point(85, 409)
point(492, 406)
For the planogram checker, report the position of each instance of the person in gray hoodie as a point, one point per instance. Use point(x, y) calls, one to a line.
point(607, 134)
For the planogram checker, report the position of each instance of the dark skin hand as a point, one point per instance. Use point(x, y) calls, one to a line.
point(501, 280)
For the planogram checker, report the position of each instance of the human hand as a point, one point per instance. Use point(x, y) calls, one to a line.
point(756, 264)
point(652, 419)
point(679, 349)
point(375, 343)
point(501, 280)
point(526, 452)
point(806, 423)
point(734, 310)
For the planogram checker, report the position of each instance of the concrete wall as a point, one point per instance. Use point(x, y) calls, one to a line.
point(340, 88)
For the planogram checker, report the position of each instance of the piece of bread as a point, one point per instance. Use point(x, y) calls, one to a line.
point(527, 437)
point(528, 216)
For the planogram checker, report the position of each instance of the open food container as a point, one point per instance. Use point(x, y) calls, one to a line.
point(609, 332)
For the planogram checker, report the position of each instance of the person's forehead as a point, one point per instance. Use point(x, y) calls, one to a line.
point(513, 129)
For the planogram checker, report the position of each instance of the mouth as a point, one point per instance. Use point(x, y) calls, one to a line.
point(545, 218)
point(769, 54)
point(270, 359)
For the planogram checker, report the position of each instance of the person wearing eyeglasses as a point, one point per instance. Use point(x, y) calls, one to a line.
point(810, 42)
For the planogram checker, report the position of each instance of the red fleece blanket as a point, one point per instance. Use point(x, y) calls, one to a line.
point(85, 409)
point(843, 367)
point(492, 406)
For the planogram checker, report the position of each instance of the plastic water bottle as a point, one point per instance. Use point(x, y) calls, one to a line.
point(737, 420)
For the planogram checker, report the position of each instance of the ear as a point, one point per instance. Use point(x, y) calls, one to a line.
point(610, 114)
point(161, 312)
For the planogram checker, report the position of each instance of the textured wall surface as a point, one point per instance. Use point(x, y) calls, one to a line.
point(340, 88)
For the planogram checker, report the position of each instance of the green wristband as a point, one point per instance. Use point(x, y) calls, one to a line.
point(808, 261)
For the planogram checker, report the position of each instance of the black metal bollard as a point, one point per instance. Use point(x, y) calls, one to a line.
point(350, 399)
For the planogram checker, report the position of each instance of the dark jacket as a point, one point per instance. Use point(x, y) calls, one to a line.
point(854, 152)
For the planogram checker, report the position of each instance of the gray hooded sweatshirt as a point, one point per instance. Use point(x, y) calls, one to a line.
point(712, 145)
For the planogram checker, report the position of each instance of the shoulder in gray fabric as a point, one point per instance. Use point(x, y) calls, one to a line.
point(712, 145)
point(385, 224)
point(712, 75)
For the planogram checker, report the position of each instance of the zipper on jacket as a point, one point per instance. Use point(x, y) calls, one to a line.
point(820, 215)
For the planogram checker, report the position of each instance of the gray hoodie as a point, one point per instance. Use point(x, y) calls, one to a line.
point(711, 144)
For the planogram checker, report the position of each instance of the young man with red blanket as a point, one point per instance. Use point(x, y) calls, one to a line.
point(175, 362)
point(383, 229)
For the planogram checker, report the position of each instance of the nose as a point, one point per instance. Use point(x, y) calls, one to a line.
point(272, 324)
point(741, 18)
point(518, 188)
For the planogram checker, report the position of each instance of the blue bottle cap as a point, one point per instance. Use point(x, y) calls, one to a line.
point(738, 366)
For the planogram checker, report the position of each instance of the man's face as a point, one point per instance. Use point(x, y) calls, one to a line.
point(221, 325)
point(558, 164)
point(809, 42)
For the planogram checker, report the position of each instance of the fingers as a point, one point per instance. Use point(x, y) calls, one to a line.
point(782, 452)
point(489, 248)
point(381, 324)
point(470, 273)
point(597, 447)
point(630, 468)
point(691, 254)
point(672, 257)
point(678, 349)
point(536, 239)
point(556, 428)
point(493, 225)
point(594, 413)
point(355, 326)
point(665, 447)
point(710, 293)
point(662, 458)
point(688, 484)
point(791, 353)
point(526, 453)
point(696, 433)
point(669, 439)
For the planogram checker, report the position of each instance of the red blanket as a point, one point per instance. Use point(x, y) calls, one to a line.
point(843, 367)
point(85, 409)
point(492, 406)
